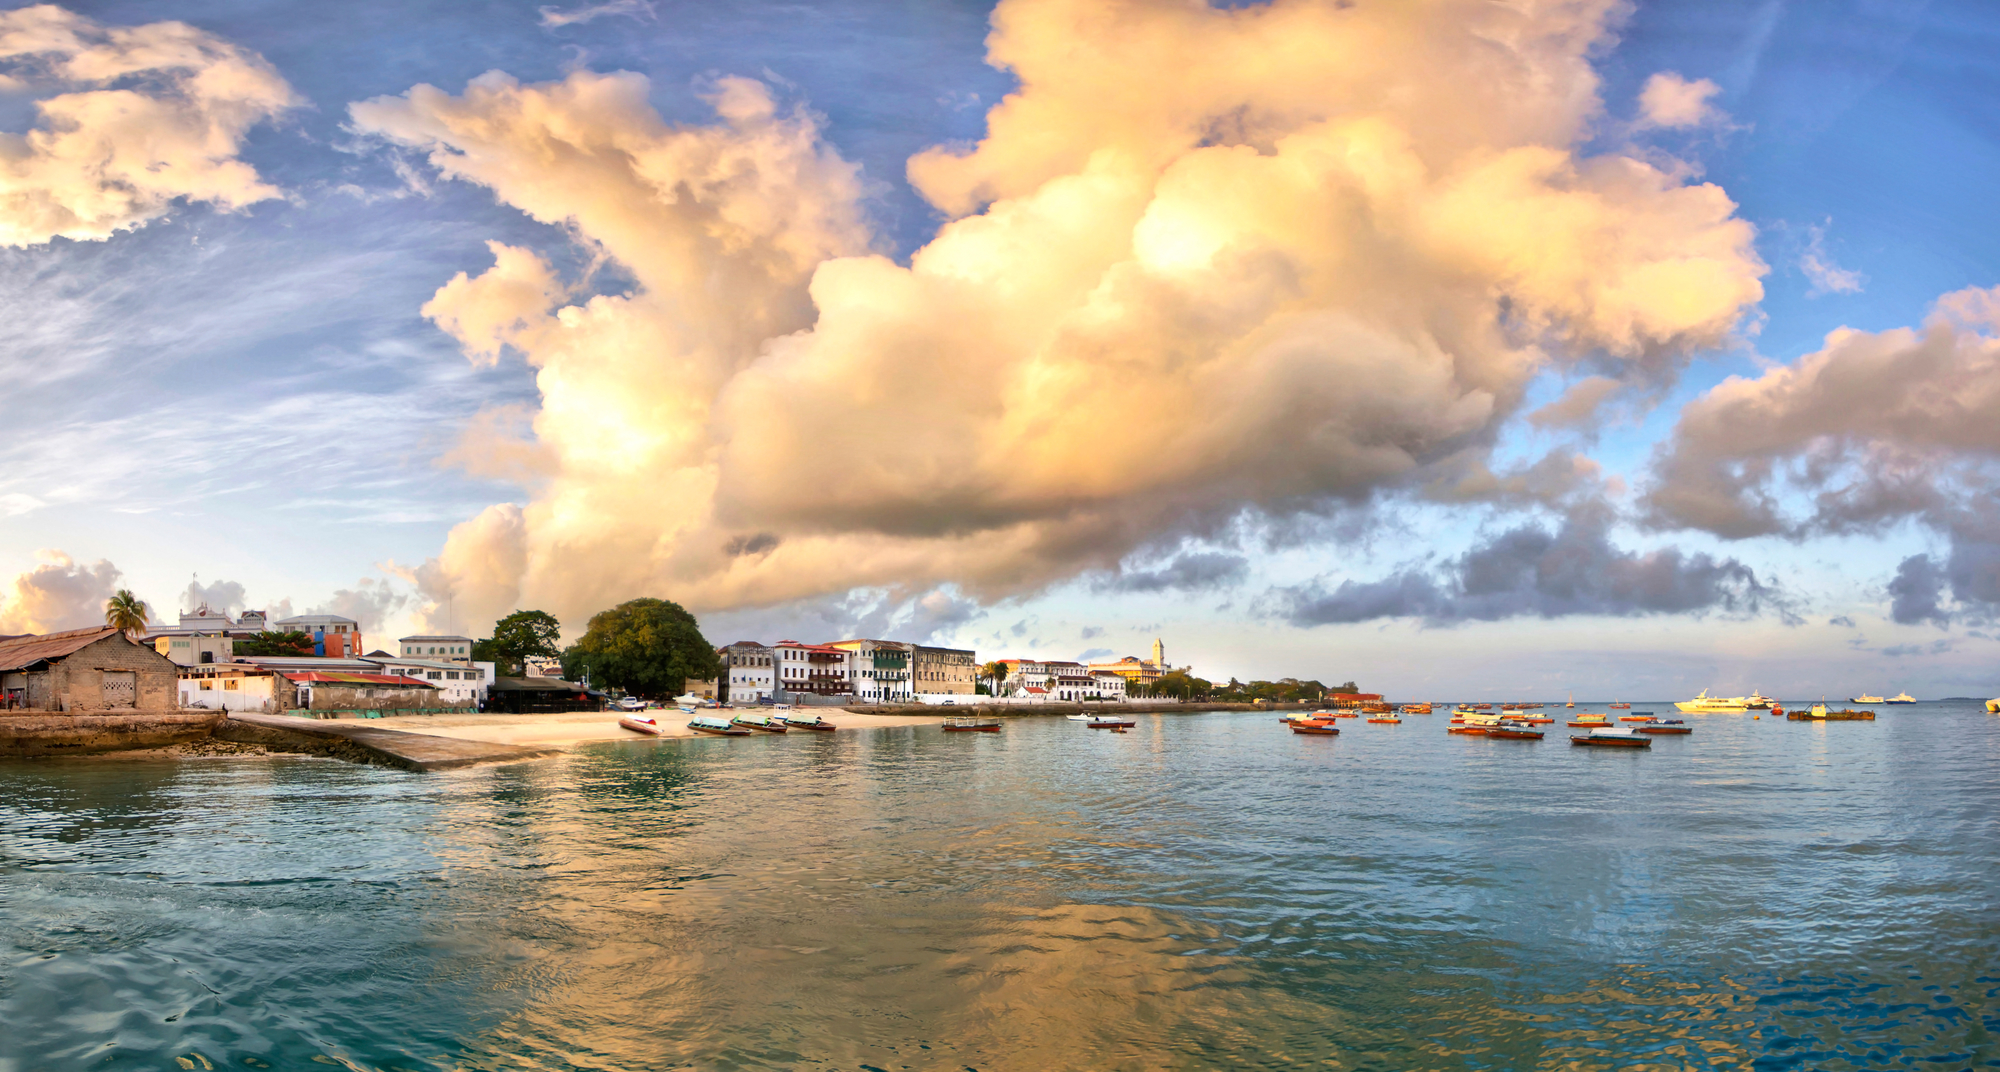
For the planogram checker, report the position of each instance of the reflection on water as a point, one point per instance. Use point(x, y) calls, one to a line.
point(1205, 891)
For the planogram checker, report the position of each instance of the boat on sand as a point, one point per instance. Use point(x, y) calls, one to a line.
point(810, 722)
point(760, 723)
point(648, 725)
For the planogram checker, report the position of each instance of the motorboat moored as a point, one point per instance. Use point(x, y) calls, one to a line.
point(1757, 701)
point(1391, 720)
point(1512, 730)
point(1109, 722)
point(1664, 725)
point(1901, 697)
point(1316, 727)
point(760, 723)
point(1819, 713)
point(969, 724)
point(810, 722)
point(716, 726)
point(1612, 737)
point(1589, 721)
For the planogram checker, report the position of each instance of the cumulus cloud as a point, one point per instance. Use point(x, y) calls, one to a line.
point(59, 593)
point(1578, 405)
point(1672, 102)
point(1204, 262)
point(370, 603)
point(222, 597)
point(1529, 571)
point(1190, 571)
point(1872, 429)
point(143, 116)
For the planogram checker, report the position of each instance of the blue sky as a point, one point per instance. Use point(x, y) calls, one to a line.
point(256, 399)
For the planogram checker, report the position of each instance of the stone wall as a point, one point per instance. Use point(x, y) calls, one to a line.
point(329, 697)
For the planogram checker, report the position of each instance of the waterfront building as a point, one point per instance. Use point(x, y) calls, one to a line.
point(1106, 685)
point(332, 635)
point(881, 668)
point(943, 671)
point(450, 649)
point(457, 683)
point(815, 669)
point(749, 671)
point(95, 669)
point(230, 686)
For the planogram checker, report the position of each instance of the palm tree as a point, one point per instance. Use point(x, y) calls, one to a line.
point(126, 612)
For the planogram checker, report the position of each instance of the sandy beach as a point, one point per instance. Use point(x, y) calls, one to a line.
point(568, 730)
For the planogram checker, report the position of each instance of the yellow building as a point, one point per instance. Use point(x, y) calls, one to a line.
point(1137, 671)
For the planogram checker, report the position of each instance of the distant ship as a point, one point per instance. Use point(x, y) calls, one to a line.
point(1865, 698)
point(1901, 697)
point(1757, 701)
point(1705, 703)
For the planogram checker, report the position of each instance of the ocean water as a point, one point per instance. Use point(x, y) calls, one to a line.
point(1205, 891)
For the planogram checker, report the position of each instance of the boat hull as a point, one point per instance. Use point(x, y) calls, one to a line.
point(1665, 729)
point(1515, 735)
point(650, 729)
point(816, 727)
point(972, 729)
point(717, 731)
point(1584, 739)
point(760, 727)
point(1310, 730)
point(1386, 721)
point(1588, 725)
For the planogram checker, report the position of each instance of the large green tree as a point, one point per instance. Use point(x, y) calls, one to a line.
point(518, 637)
point(648, 647)
point(278, 643)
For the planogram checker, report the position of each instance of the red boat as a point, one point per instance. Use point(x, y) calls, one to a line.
point(648, 726)
point(1317, 727)
point(1469, 731)
point(1621, 707)
point(1514, 731)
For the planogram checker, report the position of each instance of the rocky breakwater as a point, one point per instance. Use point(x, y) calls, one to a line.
point(58, 733)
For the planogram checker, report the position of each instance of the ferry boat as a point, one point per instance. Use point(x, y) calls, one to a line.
point(1864, 698)
point(1664, 725)
point(649, 726)
point(1589, 722)
point(1757, 701)
point(1612, 737)
point(1901, 697)
point(716, 726)
point(968, 724)
point(1706, 704)
point(1316, 727)
point(1509, 729)
point(810, 722)
point(760, 723)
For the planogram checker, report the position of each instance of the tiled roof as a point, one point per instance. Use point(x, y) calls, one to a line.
point(21, 651)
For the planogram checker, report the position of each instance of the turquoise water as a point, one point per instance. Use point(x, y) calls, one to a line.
point(1205, 891)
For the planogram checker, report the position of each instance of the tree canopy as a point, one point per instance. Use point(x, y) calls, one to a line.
point(518, 637)
point(280, 643)
point(648, 647)
point(127, 612)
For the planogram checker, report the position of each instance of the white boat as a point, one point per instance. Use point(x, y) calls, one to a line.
point(1901, 697)
point(1758, 701)
point(1865, 698)
point(1705, 703)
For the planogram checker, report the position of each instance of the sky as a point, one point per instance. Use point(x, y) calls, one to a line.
point(1460, 350)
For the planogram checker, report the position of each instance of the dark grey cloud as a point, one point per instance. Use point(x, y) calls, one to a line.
point(1091, 632)
point(1191, 571)
point(1916, 591)
point(1531, 571)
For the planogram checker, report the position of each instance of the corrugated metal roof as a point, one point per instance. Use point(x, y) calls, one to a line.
point(23, 651)
point(338, 677)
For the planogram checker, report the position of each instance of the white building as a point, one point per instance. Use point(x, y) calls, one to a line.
point(456, 683)
point(749, 671)
point(881, 669)
point(1106, 685)
point(819, 669)
point(449, 649)
point(229, 687)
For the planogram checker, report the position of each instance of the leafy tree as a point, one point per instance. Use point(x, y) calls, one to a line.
point(648, 647)
point(1182, 685)
point(283, 643)
point(127, 612)
point(995, 672)
point(518, 637)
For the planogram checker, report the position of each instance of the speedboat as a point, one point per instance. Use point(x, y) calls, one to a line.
point(1705, 703)
point(1286, 719)
point(716, 726)
point(649, 726)
point(967, 724)
point(1589, 721)
point(1109, 722)
point(1664, 725)
point(810, 722)
point(1865, 698)
point(1612, 737)
point(1901, 697)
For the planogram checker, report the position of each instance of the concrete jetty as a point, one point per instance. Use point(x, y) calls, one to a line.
point(360, 743)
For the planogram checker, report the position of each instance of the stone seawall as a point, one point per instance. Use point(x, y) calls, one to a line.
point(1029, 710)
point(52, 733)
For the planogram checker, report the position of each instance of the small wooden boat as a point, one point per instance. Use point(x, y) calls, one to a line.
point(1109, 722)
point(1482, 707)
point(1621, 707)
point(1534, 720)
point(967, 724)
point(813, 722)
point(1664, 725)
point(760, 723)
point(1514, 731)
point(1478, 730)
point(1316, 727)
point(1416, 709)
point(1295, 716)
point(1635, 718)
point(716, 726)
point(1612, 737)
point(1589, 722)
point(649, 726)
point(1390, 720)
point(1346, 714)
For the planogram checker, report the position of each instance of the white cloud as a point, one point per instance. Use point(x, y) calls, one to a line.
point(1205, 261)
point(553, 16)
point(1826, 276)
point(147, 116)
point(1673, 102)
